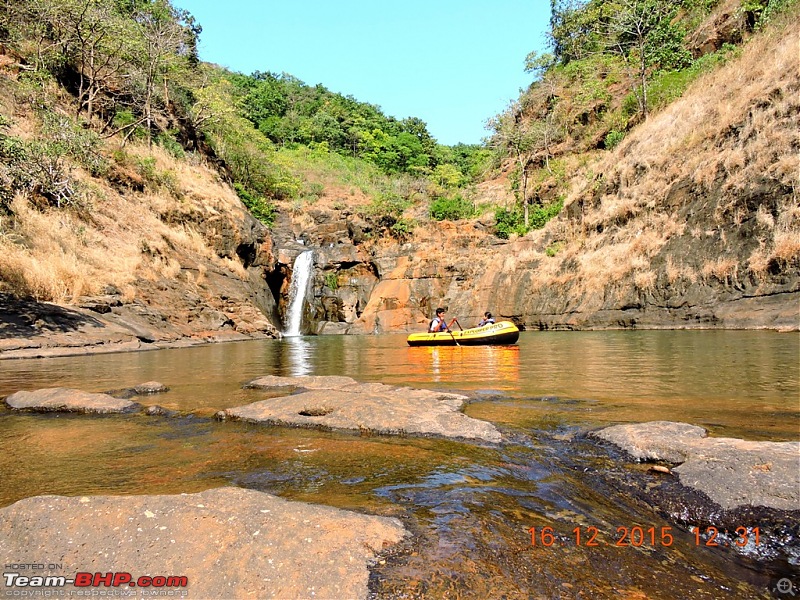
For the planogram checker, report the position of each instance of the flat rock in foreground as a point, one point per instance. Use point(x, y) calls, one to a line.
point(67, 400)
point(227, 542)
point(732, 472)
point(342, 403)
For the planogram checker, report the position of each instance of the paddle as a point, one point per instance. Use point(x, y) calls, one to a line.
point(450, 331)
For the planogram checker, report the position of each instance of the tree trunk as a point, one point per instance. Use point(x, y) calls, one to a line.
point(643, 75)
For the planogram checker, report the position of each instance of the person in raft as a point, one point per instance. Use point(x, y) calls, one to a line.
point(487, 319)
point(438, 323)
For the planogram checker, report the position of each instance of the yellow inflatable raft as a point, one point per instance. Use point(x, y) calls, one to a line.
point(503, 332)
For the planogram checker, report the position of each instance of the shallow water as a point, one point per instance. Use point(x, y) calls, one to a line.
point(470, 506)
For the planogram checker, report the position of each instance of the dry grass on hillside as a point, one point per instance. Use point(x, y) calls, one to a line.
point(113, 239)
point(737, 125)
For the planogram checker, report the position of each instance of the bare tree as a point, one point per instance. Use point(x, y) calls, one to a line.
point(632, 35)
point(527, 136)
point(98, 36)
point(513, 135)
point(160, 46)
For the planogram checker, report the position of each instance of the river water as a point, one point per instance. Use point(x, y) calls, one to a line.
point(470, 506)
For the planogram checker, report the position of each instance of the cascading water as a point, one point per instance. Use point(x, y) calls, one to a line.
point(301, 274)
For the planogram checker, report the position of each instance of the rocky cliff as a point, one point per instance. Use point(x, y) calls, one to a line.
point(693, 221)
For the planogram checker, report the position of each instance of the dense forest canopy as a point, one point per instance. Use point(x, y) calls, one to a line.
point(288, 112)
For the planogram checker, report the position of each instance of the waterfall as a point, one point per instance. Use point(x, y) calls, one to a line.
point(301, 274)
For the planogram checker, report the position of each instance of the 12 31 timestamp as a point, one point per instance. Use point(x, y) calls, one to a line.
point(638, 536)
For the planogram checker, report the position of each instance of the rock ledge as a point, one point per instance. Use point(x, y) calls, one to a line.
point(227, 542)
point(732, 472)
point(342, 403)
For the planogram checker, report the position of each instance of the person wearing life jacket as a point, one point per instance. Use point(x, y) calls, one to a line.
point(438, 323)
point(487, 319)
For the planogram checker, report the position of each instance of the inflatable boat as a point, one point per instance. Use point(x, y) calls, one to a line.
point(504, 332)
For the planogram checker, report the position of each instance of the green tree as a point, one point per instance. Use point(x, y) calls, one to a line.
point(643, 33)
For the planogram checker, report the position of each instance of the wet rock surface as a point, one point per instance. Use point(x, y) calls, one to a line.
point(731, 472)
point(68, 400)
point(227, 542)
point(766, 539)
point(343, 403)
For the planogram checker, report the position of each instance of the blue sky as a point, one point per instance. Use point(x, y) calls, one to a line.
point(454, 64)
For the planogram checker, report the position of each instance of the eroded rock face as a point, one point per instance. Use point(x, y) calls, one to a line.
point(227, 542)
point(68, 400)
point(342, 403)
point(732, 472)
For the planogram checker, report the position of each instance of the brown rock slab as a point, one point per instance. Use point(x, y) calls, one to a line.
point(732, 472)
point(342, 403)
point(228, 542)
point(67, 400)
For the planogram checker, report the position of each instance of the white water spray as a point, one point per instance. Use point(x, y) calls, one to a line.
point(301, 274)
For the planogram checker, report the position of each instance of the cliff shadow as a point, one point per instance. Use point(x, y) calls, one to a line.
point(24, 317)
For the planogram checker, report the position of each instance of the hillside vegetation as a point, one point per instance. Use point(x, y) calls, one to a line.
point(107, 110)
point(649, 170)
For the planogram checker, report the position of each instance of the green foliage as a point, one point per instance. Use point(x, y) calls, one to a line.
point(613, 138)
point(452, 208)
point(538, 64)
point(512, 221)
point(554, 249)
point(388, 204)
point(258, 206)
point(168, 141)
point(41, 168)
point(448, 175)
point(540, 215)
point(313, 191)
point(109, 53)
point(508, 222)
point(773, 9)
point(667, 86)
point(249, 156)
point(156, 178)
point(66, 137)
point(37, 169)
point(289, 113)
point(403, 228)
point(332, 281)
point(126, 121)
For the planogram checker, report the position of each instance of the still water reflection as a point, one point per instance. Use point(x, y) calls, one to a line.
point(743, 381)
point(470, 506)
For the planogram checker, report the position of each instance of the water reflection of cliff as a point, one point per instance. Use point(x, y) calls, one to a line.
point(493, 365)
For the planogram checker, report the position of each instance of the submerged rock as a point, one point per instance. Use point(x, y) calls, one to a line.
point(159, 411)
point(342, 403)
point(731, 472)
point(227, 542)
point(68, 400)
point(150, 387)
